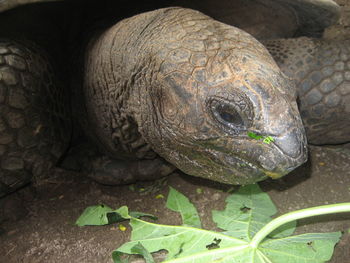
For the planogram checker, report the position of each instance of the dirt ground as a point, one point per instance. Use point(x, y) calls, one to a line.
point(48, 234)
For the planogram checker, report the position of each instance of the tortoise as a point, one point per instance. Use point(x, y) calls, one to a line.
point(168, 88)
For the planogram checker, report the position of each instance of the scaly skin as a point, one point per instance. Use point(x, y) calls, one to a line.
point(190, 88)
point(34, 114)
point(321, 70)
point(163, 83)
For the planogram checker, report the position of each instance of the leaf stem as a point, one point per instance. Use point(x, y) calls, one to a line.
point(295, 215)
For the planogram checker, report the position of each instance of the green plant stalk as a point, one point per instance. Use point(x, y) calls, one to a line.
point(295, 215)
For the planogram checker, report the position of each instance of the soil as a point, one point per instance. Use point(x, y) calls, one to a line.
point(48, 233)
point(46, 230)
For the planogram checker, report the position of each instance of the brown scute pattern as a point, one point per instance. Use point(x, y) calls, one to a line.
point(172, 65)
point(34, 117)
point(190, 55)
point(115, 95)
point(203, 41)
point(198, 42)
point(322, 73)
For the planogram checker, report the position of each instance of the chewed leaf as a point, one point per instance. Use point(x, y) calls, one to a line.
point(180, 203)
point(179, 241)
point(94, 215)
point(140, 214)
point(306, 248)
point(253, 208)
point(141, 250)
point(191, 245)
point(99, 215)
point(246, 212)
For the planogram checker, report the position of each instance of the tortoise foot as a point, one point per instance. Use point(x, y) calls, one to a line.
point(115, 172)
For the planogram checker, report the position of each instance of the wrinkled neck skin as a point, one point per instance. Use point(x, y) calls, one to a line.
point(191, 89)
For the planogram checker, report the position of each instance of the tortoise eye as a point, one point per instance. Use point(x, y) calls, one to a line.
point(229, 115)
point(226, 114)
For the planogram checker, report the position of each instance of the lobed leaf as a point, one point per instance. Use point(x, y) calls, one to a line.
point(94, 215)
point(248, 209)
point(305, 248)
point(246, 212)
point(179, 241)
point(99, 215)
point(141, 250)
point(179, 203)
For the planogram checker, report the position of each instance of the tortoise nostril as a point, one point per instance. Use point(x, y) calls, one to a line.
point(293, 153)
point(292, 143)
point(266, 163)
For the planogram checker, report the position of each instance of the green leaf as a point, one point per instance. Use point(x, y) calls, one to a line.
point(99, 215)
point(117, 257)
point(254, 208)
point(123, 211)
point(94, 215)
point(186, 244)
point(246, 212)
point(140, 214)
point(284, 230)
point(306, 248)
point(179, 241)
point(141, 250)
point(180, 203)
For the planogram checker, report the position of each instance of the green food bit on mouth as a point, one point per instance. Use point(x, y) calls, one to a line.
point(254, 136)
point(266, 139)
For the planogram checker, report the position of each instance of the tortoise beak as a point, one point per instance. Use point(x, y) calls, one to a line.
point(293, 148)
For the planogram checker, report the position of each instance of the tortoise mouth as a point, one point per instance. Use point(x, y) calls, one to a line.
point(250, 169)
point(243, 170)
point(240, 162)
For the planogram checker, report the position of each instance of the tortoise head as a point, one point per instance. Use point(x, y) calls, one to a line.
point(227, 113)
